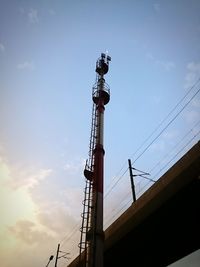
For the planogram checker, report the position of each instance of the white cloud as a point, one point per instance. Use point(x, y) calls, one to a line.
point(33, 16)
point(166, 65)
point(193, 74)
point(21, 10)
point(2, 47)
point(159, 146)
point(28, 177)
point(62, 212)
point(192, 116)
point(27, 65)
point(27, 231)
point(156, 7)
point(34, 222)
point(51, 11)
point(196, 103)
point(156, 99)
point(75, 166)
point(171, 135)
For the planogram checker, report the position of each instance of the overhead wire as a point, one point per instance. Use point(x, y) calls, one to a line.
point(168, 115)
point(121, 201)
point(119, 210)
point(157, 136)
point(176, 145)
point(68, 237)
point(172, 159)
point(170, 122)
point(154, 131)
point(146, 184)
point(177, 153)
point(108, 192)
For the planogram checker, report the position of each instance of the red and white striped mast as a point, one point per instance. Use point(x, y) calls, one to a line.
point(101, 97)
point(94, 172)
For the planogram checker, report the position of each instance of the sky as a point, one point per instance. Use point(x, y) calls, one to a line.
point(48, 52)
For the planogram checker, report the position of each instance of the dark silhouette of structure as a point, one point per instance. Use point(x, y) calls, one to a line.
point(162, 226)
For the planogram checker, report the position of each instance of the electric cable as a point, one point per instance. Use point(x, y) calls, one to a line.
point(165, 156)
point(146, 184)
point(120, 210)
point(115, 184)
point(159, 125)
point(173, 119)
point(121, 201)
point(174, 108)
point(68, 237)
point(177, 153)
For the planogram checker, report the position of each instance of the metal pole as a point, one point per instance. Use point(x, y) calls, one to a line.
point(132, 181)
point(57, 255)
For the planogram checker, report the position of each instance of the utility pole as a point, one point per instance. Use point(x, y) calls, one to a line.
point(57, 253)
point(132, 181)
point(140, 174)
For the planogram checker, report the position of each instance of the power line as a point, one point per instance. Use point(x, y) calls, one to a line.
point(173, 119)
point(115, 184)
point(178, 153)
point(130, 200)
point(116, 207)
point(146, 184)
point(68, 237)
point(191, 130)
point(159, 125)
point(116, 175)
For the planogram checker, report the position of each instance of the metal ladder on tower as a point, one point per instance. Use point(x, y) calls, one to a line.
point(86, 231)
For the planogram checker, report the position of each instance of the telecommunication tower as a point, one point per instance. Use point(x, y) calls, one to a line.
point(92, 236)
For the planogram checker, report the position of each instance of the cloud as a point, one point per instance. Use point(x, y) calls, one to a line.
point(27, 232)
point(28, 177)
point(159, 146)
point(193, 74)
point(192, 116)
point(171, 135)
point(51, 11)
point(196, 103)
point(21, 10)
point(33, 16)
point(14, 204)
point(28, 227)
point(75, 166)
point(156, 7)
point(33, 221)
point(2, 47)
point(64, 220)
point(27, 65)
point(166, 65)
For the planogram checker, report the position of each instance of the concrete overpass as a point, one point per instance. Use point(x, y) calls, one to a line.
point(163, 225)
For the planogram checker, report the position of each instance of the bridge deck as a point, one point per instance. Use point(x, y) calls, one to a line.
point(162, 226)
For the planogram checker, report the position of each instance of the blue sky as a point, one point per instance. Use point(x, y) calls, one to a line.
point(48, 51)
